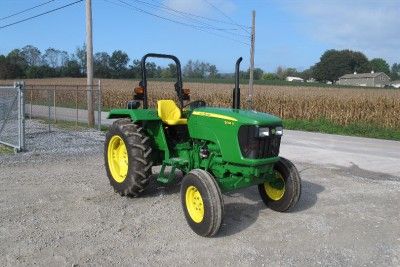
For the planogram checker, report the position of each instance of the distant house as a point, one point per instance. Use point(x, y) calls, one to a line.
point(294, 79)
point(395, 84)
point(372, 79)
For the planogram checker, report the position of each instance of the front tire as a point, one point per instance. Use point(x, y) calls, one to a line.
point(127, 155)
point(284, 191)
point(202, 202)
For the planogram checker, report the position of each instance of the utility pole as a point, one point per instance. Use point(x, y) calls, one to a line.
point(89, 63)
point(253, 39)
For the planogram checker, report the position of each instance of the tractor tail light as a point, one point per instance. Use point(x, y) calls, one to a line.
point(139, 93)
point(139, 90)
point(186, 94)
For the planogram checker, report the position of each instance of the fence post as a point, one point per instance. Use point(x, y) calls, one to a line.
point(54, 104)
point(30, 113)
point(99, 107)
point(49, 108)
point(22, 119)
point(76, 106)
point(18, 91)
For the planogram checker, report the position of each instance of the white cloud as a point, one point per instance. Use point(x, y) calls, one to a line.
point(370, 26)
point(201, 7)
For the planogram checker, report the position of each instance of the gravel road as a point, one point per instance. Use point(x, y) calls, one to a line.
point(57, 208)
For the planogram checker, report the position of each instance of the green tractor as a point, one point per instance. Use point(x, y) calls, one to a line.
point(217, 149)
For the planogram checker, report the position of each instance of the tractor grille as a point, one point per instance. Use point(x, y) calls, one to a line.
point(254, 147)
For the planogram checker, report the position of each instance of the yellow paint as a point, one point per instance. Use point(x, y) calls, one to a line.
point(194, 204)
point(273, 192)
point(169, 112)
point(117, 158)
point(213, 115)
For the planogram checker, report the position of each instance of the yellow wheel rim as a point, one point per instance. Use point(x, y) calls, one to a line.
point(275, 189)
point(194, 204)
point(117, 158)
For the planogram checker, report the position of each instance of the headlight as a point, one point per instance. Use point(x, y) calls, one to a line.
point(279, 130)
point(263, 132)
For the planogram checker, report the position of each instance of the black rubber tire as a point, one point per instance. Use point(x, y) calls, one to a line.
point(212, 201)
point(139, 157)
point(292, 187)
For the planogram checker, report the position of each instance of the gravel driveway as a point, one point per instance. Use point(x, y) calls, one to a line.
point(57, 208)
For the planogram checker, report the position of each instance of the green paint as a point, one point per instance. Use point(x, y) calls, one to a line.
point(214, 130)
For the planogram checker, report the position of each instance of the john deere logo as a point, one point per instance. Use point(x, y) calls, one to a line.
point(273, 131)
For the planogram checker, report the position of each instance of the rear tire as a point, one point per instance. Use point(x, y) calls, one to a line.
point(202, 202)
point(283, 193)
point(127, 155)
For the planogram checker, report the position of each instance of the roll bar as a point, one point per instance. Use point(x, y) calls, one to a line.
point(178, 84)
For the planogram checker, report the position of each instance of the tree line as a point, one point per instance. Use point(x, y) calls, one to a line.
point(30, 62)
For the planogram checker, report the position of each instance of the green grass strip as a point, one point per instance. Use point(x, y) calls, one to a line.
point(353, 129)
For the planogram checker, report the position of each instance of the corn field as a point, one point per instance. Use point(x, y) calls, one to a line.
point(339, 105)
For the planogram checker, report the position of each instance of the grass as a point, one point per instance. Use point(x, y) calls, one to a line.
point(6, 150)
point(72, 125)
point(352, 129)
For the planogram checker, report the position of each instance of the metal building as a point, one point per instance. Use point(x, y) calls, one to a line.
point(372, 79)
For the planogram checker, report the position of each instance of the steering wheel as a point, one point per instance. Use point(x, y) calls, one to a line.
point(195, 104)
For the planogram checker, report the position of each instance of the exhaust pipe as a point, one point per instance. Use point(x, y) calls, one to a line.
point(236, 90)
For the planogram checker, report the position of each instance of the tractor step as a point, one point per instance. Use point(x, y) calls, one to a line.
point(175, 163)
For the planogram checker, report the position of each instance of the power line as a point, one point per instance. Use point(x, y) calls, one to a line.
point(223, 13)
point(187, 15)
point(41, 14)
point(179, 14)
point(206, 18)
point(23, 11)
point(174, 21)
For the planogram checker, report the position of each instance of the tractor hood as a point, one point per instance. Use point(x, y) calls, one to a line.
point(239, 115)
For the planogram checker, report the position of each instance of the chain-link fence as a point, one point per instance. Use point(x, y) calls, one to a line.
point(12, 127)
point(62, 104)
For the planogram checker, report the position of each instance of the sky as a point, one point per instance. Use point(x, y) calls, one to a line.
point(289, 33)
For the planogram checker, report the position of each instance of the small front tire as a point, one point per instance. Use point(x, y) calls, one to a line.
point(202, 202)
point(284, 192)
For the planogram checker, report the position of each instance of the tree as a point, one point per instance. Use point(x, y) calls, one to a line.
point(334, 64)
point(135, 69)
point(80, 57)
point(102, 65)
point(14, 65)
point(307, 74)
point(32, 55)
point(257, 73)
point(169, 71)
point(118, 64)
point(71, 68)
point(281, 72)
point(199, 69)
point(380, 65)
point(395, 73)
point(151, 70)
point(51, 57)
point(267, 76)
point(16, 57)
point(213, 72)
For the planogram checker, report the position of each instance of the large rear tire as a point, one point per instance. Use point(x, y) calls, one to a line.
point(127, 155)
point(202, 202)
point(284, 192)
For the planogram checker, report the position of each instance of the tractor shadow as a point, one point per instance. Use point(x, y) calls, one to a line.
point(239, 215)
point(308, 198)
point(155, 189)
